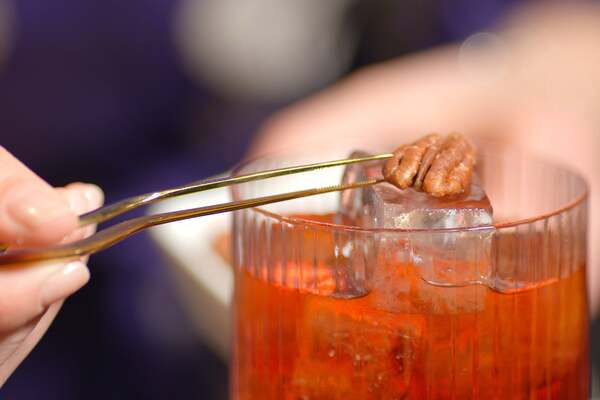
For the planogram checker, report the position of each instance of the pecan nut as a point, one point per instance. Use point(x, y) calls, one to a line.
point(402, 168)
point(440, 166)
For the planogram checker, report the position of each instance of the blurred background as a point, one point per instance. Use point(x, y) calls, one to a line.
point(139, 95)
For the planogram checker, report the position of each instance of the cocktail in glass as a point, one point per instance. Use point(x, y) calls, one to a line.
point(325, 309)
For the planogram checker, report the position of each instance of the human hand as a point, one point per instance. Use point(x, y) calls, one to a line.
point(534, 84)
point(32, 213)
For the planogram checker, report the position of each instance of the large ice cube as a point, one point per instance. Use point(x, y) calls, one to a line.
point(445, 258)
point(386, 206)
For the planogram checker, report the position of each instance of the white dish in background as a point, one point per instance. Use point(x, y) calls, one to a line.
point(203, 277)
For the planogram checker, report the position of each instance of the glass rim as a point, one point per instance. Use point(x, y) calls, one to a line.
point(578, 200)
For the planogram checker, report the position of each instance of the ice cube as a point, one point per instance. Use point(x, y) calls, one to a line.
point(445, 258)
point(386, 206)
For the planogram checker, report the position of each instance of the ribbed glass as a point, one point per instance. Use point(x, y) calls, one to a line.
point(328, 310)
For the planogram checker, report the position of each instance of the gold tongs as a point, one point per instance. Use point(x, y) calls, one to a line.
point(106, 238)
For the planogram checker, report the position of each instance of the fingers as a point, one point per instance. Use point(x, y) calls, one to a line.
point(389, 104)
point(31, 295)
point(31, 212)
point(34, 213)
point(82, 198)
point(27, 291)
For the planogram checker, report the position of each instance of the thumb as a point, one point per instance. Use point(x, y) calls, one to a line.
point(28, 290)
point(31, 211)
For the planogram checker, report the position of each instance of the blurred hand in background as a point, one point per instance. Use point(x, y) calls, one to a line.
point(533, 84)
point(34, 213)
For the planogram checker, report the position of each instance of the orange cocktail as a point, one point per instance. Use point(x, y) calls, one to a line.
point(326, 310)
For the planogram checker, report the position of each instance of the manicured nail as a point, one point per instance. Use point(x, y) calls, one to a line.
point(63, 283)
point(32, 207)
point(94, 195)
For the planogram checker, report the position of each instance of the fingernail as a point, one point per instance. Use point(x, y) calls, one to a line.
point(93, 194)
point(64, 282)
point(32, 207)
